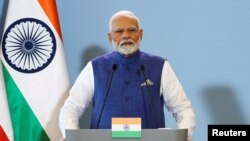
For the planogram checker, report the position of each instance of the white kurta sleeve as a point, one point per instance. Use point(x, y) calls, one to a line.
point(80, 98)
point(176, 100)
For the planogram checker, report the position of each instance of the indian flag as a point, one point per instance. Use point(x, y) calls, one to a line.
point(34, 69)
point(126, 127)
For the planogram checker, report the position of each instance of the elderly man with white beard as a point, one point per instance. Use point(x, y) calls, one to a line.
point(127, 83)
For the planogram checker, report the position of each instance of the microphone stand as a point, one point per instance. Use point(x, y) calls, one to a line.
point(114, 67)
point(150, 102)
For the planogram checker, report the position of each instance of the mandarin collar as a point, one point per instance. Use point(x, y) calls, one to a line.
point(127, 60)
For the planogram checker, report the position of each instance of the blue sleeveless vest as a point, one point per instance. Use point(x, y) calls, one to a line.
point(127, 96)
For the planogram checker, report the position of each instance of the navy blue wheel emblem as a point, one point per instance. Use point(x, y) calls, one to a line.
point(126, 127)
point(29, 45)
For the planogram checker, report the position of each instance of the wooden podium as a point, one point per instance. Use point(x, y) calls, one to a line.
point(147, 135)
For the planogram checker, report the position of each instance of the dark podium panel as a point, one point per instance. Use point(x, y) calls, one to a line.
point(147, 135)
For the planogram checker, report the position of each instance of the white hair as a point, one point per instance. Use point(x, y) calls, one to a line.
point(125, 13)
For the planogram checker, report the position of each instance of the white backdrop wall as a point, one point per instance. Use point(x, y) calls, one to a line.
point(207, 43)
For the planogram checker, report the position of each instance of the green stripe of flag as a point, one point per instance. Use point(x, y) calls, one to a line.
point(126, 134)
point(26, 126)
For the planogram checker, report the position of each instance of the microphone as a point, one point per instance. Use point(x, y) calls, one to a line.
point(150, 102)
point(114, 67)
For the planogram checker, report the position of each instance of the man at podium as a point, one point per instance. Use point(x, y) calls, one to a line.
point(127, 83)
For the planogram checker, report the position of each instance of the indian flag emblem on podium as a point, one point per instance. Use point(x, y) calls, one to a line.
point(126, 127)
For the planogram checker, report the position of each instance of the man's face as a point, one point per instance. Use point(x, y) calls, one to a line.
point(125, 35)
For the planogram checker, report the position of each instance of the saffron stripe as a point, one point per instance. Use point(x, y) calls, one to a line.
point(26, 126)
point(126, 134)
point(126, 120)
point(50, 8)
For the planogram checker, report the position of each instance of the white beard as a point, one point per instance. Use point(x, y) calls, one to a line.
point(126, 49)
